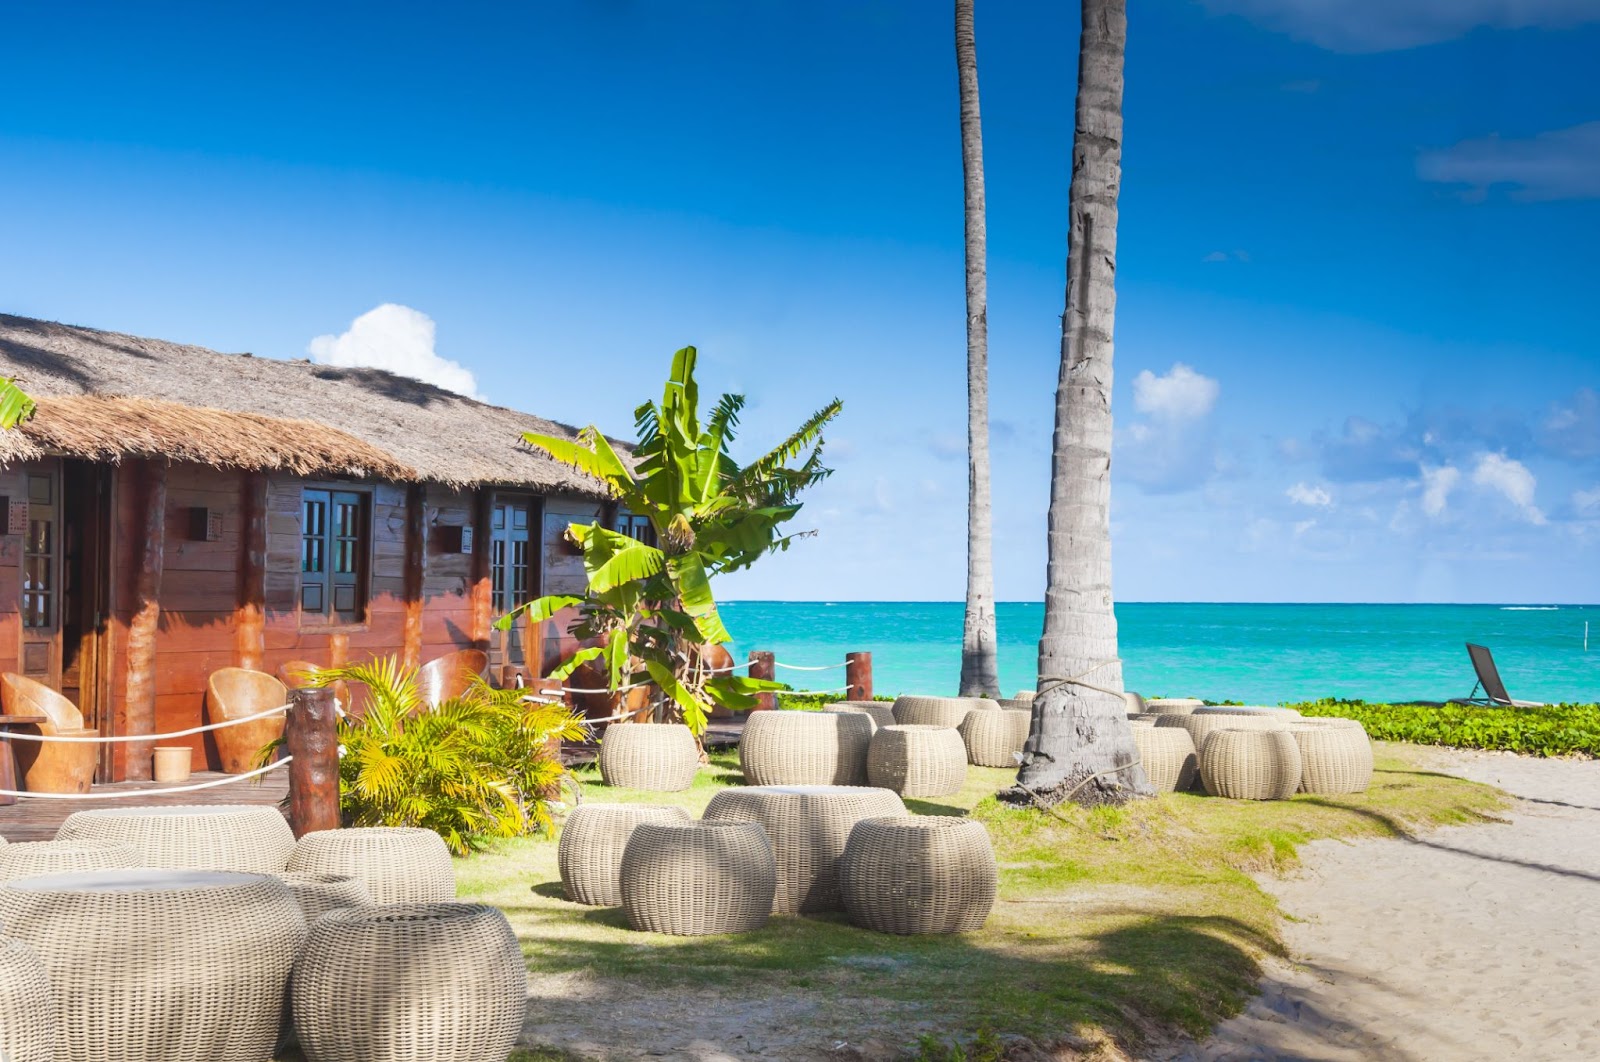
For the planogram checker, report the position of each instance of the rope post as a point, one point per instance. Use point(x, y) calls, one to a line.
point(858, 676)
point(762, 667)
point(312, 735)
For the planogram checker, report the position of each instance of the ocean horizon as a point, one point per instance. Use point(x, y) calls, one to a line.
point(1253, 652)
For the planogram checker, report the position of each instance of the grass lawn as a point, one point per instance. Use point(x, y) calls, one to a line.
point(1115, 927)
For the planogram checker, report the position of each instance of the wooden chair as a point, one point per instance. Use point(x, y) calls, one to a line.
point(49, 766)
point(294, 673)
point(450, 675)
point(234, 693)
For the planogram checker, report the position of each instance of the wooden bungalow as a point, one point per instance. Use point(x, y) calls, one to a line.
point(171, 511)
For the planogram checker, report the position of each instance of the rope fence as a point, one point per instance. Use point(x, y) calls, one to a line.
point(116, 738)
point(140, 793)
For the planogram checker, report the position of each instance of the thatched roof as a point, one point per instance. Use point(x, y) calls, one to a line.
point(106, 396)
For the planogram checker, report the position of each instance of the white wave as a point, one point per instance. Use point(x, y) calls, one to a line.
point(1530, 608)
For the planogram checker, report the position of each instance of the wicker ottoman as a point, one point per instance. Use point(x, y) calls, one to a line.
point(1331, 720)
point(317, 894)
point(1201, 727)
point(919, 874)
point(697, 878)
point(918, 761)
point(1248, 709)
point(808, 827)
point(1173, 705)
point(250, 840)
point(1333, 759)
point(882, 712)
point(992, 737)
point(398, 864)
point(592, 842)
point(1251, 764)
point(32, 859)
point(939, 711)
point(805, 748)
point(1168, 756)
point(438, 981)
point(655, 757)
point(160, 965)
point(27, 1006)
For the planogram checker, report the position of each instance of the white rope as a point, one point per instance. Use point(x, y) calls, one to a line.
point(836, 689)
point(142, 793)
point(1050, 682)
point(14, 736)
point(821, 667)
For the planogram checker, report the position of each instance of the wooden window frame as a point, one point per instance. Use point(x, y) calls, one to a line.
point(327, 620)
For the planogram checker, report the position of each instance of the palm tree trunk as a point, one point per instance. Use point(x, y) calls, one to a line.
point(1082, 746)
point(979, 663)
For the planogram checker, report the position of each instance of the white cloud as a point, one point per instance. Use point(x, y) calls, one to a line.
point(1386, 25)
point(1560, 164)
point(1510, 479)
point(398, 339)
point(1181, 395)
point(1437, 483)
point(1315, 497)
point(1587, 501)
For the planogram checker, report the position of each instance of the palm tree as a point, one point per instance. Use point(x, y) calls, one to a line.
point(979, 664)
point(1081, 746)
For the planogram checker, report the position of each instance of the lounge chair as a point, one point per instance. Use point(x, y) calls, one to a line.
point(1494, 691)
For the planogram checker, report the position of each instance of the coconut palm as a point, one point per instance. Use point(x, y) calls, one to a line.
point(979, 665)
point(1081, 746)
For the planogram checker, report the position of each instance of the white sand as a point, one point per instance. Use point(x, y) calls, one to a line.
point(1478, 942)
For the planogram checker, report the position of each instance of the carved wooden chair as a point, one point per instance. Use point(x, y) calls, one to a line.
point(450, 675)
point(235, 693)
point(49, 766)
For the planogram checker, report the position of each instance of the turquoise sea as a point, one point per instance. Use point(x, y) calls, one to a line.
point(1253, 653)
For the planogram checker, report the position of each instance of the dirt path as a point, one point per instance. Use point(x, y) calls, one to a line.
point(1475, 943)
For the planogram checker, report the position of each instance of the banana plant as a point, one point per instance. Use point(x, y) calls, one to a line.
point(649, 612)
point(15, 404)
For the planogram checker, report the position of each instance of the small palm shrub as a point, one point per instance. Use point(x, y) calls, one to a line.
point(470, 769)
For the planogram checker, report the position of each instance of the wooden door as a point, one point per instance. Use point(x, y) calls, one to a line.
point(85, 605)
point(513, 575)
point(40, 652)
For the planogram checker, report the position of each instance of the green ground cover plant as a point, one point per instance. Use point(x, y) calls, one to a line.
point(1114, 928)
point(1555, 730)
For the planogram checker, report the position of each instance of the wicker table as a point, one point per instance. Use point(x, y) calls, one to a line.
point(398, 864)
point(8, 759)
point(160, 965)
point(251, 840)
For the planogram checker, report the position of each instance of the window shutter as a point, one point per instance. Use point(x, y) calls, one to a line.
point(314, 596)
point(346, 533)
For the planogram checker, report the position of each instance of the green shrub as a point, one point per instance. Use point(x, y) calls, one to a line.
point(1556, 730)
point(815, 702)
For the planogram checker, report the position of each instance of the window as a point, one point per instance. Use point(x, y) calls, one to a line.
point(508, 553)
point(333, 551)
point(636, 527)
point(39, 555)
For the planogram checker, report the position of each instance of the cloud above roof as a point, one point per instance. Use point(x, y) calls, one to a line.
point(397, 339)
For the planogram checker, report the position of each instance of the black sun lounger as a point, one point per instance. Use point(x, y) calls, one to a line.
point(1494, 691)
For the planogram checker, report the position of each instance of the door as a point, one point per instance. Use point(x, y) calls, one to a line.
point(40, 652)
point(513, 578)
point(85, 511)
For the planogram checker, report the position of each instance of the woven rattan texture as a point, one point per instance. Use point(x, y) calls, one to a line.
point(805, 748)
point(1168, 756)
point(655, 757)
point(1251, 764)
point(317, 894)
point(27, 1006)
point(697, 878)
point(1333, 759)
point(1143, 719)
point(808, 830)
point(1248, 709)
point(440, 982)
point(939, 711)
point(168, 972)
point(882, 712)
point(592, 841)
point(398, 864)
point(1202, 726)
point(252, 840)
point(1333, 721)
point(1173, 705)
point(919, 874)
point(918, 761)
point(992, 737)
point(32, 859)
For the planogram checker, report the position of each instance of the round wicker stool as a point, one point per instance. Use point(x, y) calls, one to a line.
point(919, 874)
point(655, 757)
point(1168, 756)
point(1333, 759)
point(160, 965)
point(918, 761)
point(592, 842)
point(882, 712)
point(1173, 705)
point(1248, 709)
point(1331, 720)
point(251, 840)
point(27, 1006)
point(939, 711)
point(1201, 727)
point(398, 864)
point(697, 878)
point(438, 981)
point(1251, 764)
point(808, 827)
point(317, 894)
point(32, 859)
point(805, 748)
point(992, 737)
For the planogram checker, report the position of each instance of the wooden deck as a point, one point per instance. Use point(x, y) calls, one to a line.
point(36, 819)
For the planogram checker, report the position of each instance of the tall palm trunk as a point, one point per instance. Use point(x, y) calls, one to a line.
point(1082, 745)
point(980, 669)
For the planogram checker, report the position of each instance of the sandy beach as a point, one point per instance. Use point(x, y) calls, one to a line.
point(1478, 942)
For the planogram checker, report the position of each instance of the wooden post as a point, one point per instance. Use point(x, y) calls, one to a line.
point(481, 593)
point(312, 738)
point(415, 575)
point(250, 620)
point(761, 667)
point(858, 676)
point(140, 686)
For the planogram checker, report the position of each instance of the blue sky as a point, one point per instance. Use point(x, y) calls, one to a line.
point(1356, 332)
